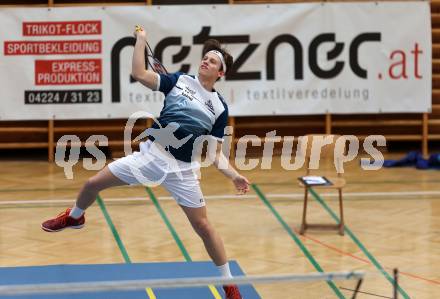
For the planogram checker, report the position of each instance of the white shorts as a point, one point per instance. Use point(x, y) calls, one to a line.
point(148, 168)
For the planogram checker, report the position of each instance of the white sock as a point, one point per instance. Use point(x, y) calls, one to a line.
point(76, 212)
point(225, 271)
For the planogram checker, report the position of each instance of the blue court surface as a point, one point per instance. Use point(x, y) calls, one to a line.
point(109, 272)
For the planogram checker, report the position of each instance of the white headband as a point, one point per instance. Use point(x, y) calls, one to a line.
point(220, 55)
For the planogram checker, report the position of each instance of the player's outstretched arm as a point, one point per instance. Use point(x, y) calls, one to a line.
point(241, 183)
point(138, 70)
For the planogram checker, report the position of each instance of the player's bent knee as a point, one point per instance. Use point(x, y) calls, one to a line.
point(203, 228)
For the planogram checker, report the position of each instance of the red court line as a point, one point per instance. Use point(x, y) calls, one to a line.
point(364, 260)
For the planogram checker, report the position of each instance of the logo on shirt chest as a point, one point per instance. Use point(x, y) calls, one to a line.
point(192, 95)
point(188, 93)
point(210, 106)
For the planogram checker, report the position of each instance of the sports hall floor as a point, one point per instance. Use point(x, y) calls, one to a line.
point(392, 218)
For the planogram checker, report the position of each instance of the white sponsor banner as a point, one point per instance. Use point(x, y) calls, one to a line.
point(310, 58)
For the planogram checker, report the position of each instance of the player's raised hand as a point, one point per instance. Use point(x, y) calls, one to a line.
point(139, 32)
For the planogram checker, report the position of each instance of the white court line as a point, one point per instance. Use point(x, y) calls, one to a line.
point(230, 196)
point(385, 194)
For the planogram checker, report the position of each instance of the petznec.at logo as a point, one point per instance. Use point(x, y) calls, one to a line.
point(345, 148)
point(306, 56)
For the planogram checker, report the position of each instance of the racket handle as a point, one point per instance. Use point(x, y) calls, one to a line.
point(138, 28)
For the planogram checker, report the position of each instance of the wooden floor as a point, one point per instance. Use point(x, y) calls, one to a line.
point(393, 213)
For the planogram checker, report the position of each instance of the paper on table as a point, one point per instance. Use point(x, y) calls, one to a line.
point(314, 179)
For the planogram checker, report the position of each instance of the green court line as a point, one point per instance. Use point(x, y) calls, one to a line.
point(178, 241)
point(358, 243)
point(113, 229)
point(149, 291)
point(295, 238)
point(169, 225)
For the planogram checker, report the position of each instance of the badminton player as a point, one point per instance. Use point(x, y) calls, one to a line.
point(194, 109)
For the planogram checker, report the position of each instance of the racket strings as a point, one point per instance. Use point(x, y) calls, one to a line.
point(155, 63)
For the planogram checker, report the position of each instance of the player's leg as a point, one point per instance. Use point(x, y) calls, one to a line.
point(189, 196)
point(102, 180)
point(74, 217)
point(211, 239)
point(116, 173)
